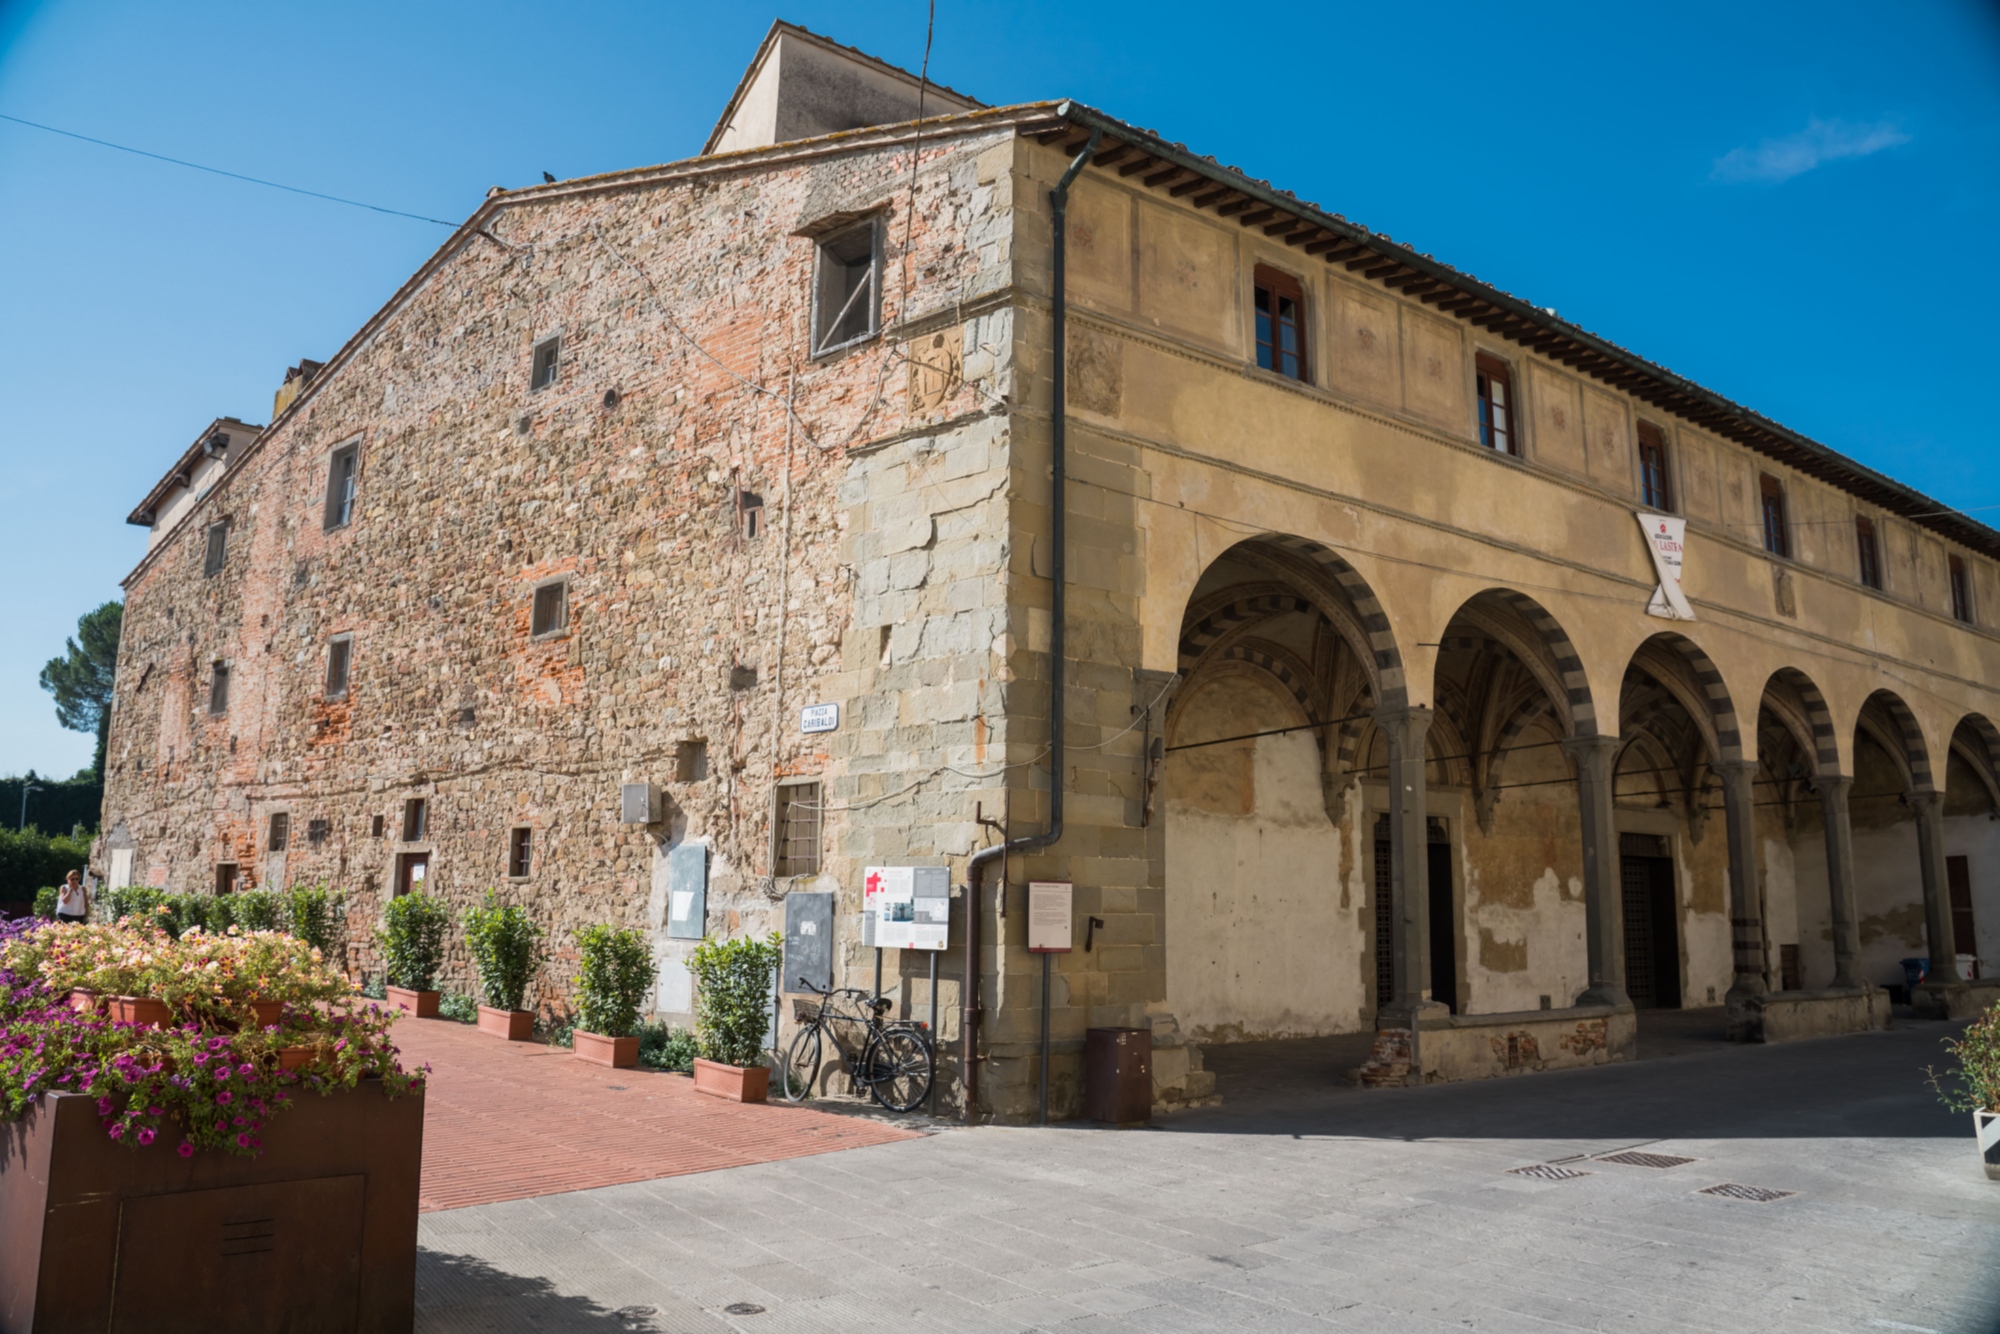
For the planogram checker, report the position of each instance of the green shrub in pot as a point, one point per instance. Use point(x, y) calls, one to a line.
point(732, 1008)
point(312, 913)
point(412, 940)
point(506, 947)
point(1975, 1085)
point(615, 972)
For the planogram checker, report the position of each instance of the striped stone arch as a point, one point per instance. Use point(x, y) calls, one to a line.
point(1323, 566)
point(1978, 741)
point(1706, 679)
point(1273, 660)
point(1219, 617)
point(1902, 737)
point(1798, 703)
point(1566, 661)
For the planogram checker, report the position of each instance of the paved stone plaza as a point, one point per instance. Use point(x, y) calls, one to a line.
point(1302, 1205)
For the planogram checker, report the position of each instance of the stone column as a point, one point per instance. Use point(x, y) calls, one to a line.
point(1603, 881)
point(1746, 926)
point(1833, 790)
point(1409, 856)
point(1929, 807)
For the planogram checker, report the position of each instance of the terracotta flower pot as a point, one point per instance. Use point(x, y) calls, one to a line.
point(422, 1004)
point(141, 1010)
point(618, 1053)
point(268, 1012)
point(84, 1001)
point(513, 1025)
point(294, 1058)
point(738, 1083)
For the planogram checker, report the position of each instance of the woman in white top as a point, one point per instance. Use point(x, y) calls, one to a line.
point(73, 900)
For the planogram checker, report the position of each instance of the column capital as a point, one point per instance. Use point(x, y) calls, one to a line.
point(1729, 768)
point(1841, 783)
point(1389, 716)
point(1598, 749)
point(1924, 800)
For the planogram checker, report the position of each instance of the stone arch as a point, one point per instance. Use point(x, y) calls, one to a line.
point(1684, 670)
point(1336, 582)
point(1796, 702)
point(1886, 718)
point(1550, 654)
point(1977, 741)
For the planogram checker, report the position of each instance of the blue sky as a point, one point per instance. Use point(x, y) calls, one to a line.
point(1792, 204)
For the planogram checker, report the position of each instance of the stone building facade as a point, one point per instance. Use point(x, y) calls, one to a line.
point(1368, 723)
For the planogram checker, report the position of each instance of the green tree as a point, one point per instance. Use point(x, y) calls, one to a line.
point(81, 679)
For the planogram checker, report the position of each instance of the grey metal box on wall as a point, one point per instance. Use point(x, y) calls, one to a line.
point(639, 803)
point(808, 941)
point(687, 892)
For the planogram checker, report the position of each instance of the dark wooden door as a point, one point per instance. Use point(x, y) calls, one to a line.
point(1652, 923)
point(1385, 919)
point(1958, 878)
point(1444, 925)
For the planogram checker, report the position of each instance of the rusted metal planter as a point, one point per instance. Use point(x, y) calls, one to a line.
point(618, 1053)
point(422, 1004)
point(318, 1233)
point(513, 1025)
point(738, 1083)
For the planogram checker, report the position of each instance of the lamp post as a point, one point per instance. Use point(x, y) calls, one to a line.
point(26, 788)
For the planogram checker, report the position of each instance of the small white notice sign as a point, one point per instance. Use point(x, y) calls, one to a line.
point(819, 718)
point(1051, 916)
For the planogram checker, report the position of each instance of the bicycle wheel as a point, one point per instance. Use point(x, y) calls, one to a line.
point(800, 1067)
point(898, 1063)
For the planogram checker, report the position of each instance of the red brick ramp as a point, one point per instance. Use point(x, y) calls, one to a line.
point(509, 1120)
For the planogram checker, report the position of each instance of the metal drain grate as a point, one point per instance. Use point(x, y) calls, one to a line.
point(1635, 1158)
point(1547, 1172)
point(1730, 1190)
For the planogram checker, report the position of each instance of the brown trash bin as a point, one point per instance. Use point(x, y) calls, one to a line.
point(1118, 1075)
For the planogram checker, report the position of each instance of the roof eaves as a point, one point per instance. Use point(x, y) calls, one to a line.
point(1753, 429)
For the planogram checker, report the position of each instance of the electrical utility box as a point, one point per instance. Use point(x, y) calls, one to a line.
point(808, 942)
point(638, 803)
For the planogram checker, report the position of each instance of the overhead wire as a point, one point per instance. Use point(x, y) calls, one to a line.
point(232, 175)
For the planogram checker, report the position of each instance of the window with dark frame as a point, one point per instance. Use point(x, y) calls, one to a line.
point(279, 836)
point(339, 655)
point(218, 549)
point(547, 364)
point(796, 826)
point(218, 690)
point(1654, 493)
point(342, 475)
point(1495, 384)
point(226, 877)
point(1281, 324)
point(847, 295)
point(1777, 533)
point(551, 610)
point(750, 515)
point(1867, 553)
point(1961, 588)
point(377, 827)
point(416, 819)
point(520, 853)
point(318, 831)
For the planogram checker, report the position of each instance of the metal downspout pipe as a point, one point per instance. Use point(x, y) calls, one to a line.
point(975, 871)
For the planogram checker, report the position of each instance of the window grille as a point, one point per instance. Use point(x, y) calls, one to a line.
point(318, 831)
point(796, 829)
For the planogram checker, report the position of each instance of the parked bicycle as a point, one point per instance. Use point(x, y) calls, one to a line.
point(892, 1060)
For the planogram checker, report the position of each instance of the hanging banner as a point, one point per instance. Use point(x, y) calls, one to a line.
point(1665, 538)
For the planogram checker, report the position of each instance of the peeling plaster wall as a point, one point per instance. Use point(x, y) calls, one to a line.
point(1523, 918)
point(1707, 953)
point(1264, 936)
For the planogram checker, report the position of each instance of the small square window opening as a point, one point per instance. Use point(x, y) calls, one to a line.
point(690, 761)
point(339, 653)
point(1868, 554)
point(551, 610)
point(1495, 384)
point(795, 827)
point(416, 819)
point(1961, 589)
point(847, 296)
point(1281, 326)
point(520, 853)
point(342, 476)
point(218, 549)
point(548, 362)
point(218, 690)
point(1777, 533)
point(1653, 489)
point(280, 833)
point(318, 831)
point(750, 514)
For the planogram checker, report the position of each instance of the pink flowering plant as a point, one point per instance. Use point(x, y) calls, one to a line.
point(216, 1078)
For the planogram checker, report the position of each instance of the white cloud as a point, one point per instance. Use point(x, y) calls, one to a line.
point(1820, 141)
